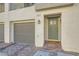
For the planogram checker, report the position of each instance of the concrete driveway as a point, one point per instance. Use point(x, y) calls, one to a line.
point(22, 49)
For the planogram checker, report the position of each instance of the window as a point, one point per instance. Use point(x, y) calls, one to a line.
point(2, 7)
point(28, 4)
point(14, 6)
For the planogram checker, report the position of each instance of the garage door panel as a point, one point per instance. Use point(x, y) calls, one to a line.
point(24, 32)
point(1, 32)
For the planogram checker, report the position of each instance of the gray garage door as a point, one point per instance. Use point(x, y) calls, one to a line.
point(1, 32)
point(24, 32)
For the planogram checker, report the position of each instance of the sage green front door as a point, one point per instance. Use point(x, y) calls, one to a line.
point(53, 28)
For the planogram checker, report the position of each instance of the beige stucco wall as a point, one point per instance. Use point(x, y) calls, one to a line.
point(22, 14)
point(39, 30)
point(41, 6)
point(69, 27)
point(70, 30)
point(19, 14)
point(15, 15)
point(39, 36)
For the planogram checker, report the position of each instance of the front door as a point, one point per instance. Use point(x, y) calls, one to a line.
point(53, 29)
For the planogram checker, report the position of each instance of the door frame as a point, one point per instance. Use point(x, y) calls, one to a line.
point(46, 28)
point(2, 23)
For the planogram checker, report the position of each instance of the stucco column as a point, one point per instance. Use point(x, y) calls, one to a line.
point(7, 25)
point(39, 30)
point(7, 32)
point(6, 7)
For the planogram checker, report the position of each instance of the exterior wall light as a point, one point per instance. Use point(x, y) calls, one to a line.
point(39, 21)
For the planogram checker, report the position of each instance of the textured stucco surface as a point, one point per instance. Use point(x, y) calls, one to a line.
point(70, 30)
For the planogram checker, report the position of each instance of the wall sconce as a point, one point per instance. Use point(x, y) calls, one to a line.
point(39, 21)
